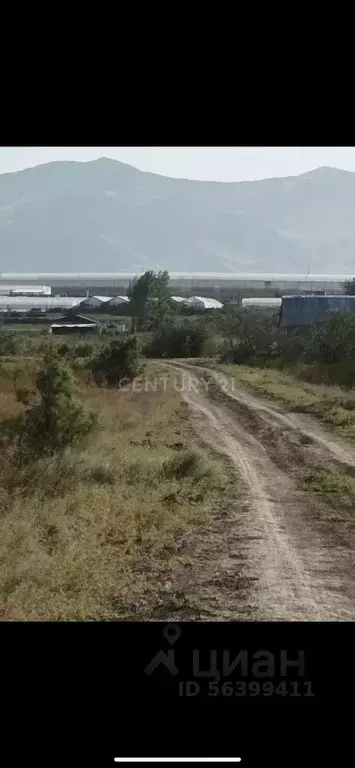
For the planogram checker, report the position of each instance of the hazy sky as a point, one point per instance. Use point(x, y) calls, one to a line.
point(205, 163)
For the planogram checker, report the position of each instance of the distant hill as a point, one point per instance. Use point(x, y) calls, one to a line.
point(106, 216)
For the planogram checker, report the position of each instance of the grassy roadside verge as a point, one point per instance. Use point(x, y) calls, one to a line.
point(89, 536)
point(336, 488)
point(330, 482)
point(331, 405)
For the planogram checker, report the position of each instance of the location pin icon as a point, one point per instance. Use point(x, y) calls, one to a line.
point(171, 633)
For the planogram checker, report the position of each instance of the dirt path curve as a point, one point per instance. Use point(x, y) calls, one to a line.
point(295, 554)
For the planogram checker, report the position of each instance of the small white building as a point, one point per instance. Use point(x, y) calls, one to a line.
point(178, 299)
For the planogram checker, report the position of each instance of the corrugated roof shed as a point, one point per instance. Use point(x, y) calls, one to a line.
point(297, 311)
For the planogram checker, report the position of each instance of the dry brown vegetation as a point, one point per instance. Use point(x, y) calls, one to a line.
point(83, 536)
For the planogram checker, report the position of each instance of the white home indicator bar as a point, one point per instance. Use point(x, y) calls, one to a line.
point(178, 759)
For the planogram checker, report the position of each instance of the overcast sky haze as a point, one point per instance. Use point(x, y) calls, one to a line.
point(204, 163)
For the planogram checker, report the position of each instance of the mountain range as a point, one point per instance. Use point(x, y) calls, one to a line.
point(105, 215)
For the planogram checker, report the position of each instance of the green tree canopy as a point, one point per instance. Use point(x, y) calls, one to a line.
point(349, 287)
point(150, 299)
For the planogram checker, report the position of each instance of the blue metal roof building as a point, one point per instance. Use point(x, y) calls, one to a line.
point(301, 311)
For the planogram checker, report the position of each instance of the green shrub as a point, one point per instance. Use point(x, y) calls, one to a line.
point(8, 343)
point(249, 336)
point(239, 353)
point(84, 350)
point(142, 472)
point(52, 419)
point(293, 348)
point(334, 340)
point(117, 361)
point(190, 463)
point(170, 341)
point(64, 350)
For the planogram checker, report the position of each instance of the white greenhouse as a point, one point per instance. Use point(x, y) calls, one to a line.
point(96, 301)
point(117, 300)
point(202, 302)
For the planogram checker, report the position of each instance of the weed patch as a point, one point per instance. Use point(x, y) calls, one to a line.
point(190, 463)
point(328, 482)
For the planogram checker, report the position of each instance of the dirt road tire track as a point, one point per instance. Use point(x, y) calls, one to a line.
point(297, 557)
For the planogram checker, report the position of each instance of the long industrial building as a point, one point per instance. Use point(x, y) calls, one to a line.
point(111, 283)
point(41, 303)
point(24, 290)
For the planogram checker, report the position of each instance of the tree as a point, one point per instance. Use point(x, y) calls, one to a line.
point(52, 419)
point(150, 299)
point(349, 287)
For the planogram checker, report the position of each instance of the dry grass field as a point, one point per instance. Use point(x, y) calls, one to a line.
point(182, 503)
point(84, 536)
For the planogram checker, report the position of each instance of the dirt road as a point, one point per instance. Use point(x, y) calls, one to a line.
point(281, 552)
